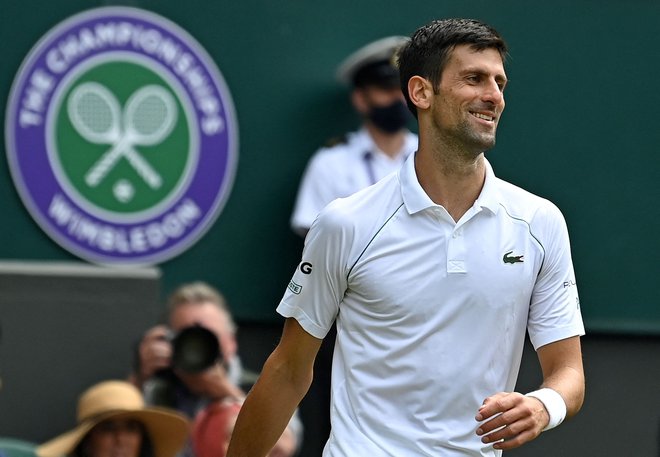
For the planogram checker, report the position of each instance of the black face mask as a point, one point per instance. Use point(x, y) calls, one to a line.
point(391, 118)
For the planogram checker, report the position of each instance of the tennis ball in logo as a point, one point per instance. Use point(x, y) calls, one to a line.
point(121, 135)
point(123, 144)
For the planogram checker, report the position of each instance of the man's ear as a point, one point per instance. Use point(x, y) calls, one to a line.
point(420, 92)
point(359, 101)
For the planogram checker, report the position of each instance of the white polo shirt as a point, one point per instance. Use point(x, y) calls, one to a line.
point(431, 314)
point(342, 170)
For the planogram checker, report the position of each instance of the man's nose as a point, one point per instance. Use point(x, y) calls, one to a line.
point(493, 93)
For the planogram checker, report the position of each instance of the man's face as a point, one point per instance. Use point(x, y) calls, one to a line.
point(381, 96)
point(382, 108)
point(469, 100)
point(368, 97)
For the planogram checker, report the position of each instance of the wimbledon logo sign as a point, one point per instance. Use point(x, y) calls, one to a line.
point(121, 137)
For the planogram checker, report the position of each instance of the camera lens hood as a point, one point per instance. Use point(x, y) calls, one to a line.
point(195, 349)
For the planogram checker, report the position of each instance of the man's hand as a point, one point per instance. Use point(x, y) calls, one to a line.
point(511, 420)
point(212, 383)
point(155, 352)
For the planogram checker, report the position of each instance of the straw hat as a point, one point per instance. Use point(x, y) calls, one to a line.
point(167, 429)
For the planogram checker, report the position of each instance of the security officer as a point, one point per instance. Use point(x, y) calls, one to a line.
point(378, 148)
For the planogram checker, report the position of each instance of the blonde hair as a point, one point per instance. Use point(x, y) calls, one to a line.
point(199, 292)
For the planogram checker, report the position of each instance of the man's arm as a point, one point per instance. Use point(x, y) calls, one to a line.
point(525, 417)
point(154, 352)
point(284, 381)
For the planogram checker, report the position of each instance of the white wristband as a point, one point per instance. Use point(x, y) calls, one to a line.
point(554, 404)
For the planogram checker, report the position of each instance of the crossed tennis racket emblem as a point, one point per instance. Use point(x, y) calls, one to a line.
point(147, 119)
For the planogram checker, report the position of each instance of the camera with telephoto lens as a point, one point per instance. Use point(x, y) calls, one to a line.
point(194, 350)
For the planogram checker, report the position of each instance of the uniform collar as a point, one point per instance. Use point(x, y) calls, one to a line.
point(365, 143)
point(417, 200)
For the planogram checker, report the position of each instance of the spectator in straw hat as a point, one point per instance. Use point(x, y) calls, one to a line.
point(113, 421)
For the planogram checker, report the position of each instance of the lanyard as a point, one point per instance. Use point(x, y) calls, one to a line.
point(368, 158)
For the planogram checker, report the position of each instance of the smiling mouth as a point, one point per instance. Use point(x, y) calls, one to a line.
point(485, 117)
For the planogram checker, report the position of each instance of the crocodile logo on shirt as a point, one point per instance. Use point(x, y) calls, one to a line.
point(508, 258)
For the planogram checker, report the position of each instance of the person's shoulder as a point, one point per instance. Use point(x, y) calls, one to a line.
point(513, 193)
point(526, 205)
point(337, 154)
point(342, 144)
point(365, 206)
point(340, 140)
point(351, 221)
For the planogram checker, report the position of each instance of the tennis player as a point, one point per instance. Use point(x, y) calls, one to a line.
point(433, 275)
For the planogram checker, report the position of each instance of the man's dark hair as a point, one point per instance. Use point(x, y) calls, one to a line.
point(430, 47)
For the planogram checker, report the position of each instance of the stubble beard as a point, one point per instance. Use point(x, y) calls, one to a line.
point(474, 142)
point(464, 138)
point(466, 143)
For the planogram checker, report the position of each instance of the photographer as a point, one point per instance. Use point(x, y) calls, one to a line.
point(194, 304)
point(188, 368)
point(198, 305)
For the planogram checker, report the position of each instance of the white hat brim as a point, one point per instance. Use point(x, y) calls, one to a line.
point(377, 50)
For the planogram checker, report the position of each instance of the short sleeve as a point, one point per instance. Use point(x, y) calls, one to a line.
point(555, 304)
point(318, 284)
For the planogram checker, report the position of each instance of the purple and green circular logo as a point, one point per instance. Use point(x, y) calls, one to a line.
point(121, 137)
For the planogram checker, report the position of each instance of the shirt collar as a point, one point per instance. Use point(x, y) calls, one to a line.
point(489, 198)
point(365, 143)
point(413, 195)
point(416, 200)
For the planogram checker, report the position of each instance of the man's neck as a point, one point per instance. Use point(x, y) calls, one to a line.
point(451, 179)
point(390, 143)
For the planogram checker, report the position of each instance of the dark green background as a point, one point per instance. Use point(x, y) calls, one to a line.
point(580, 128)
